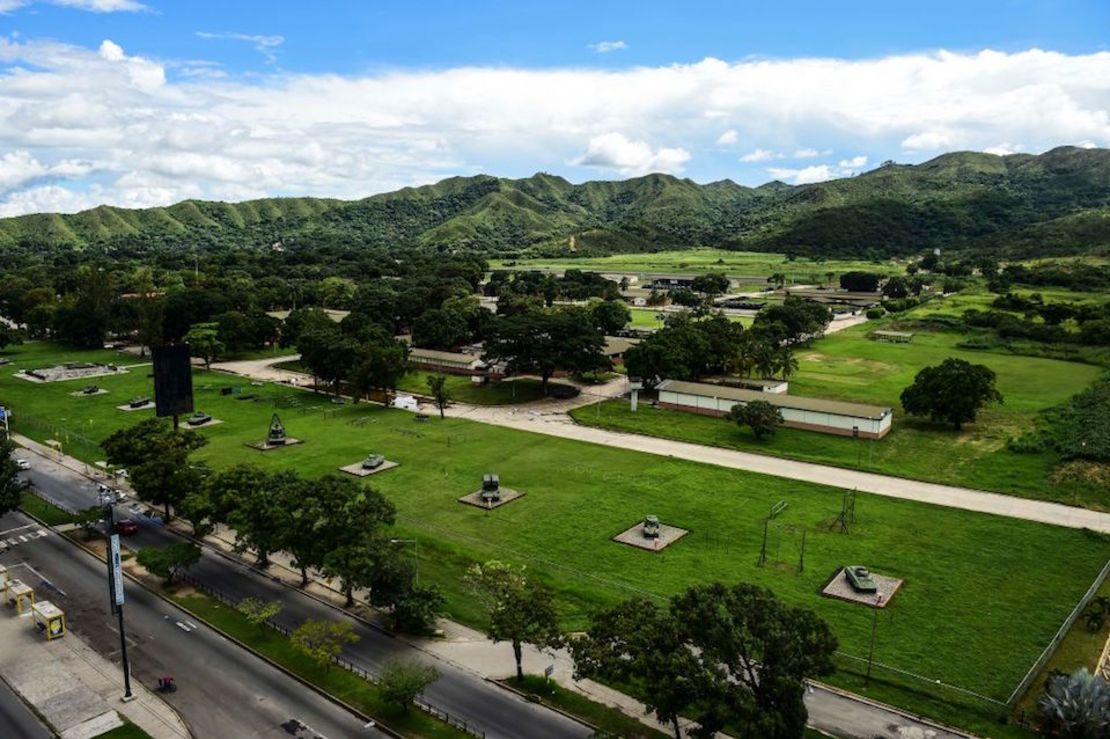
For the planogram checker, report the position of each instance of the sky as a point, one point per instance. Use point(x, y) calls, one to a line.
point(147, 102)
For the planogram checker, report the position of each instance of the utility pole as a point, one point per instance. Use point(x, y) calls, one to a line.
point(115, 589)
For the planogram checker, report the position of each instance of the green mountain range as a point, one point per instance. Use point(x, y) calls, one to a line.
point(1018, 205)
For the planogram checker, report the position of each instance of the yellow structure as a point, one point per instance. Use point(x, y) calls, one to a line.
point(49, 619)
point(19, 595)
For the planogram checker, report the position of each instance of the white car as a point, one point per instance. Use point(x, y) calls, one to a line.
point(23, 464)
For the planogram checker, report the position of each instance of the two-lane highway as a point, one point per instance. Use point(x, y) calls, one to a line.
point(459, 692)
point(224, 691)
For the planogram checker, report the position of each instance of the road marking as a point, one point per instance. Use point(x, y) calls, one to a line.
point(193, 625)
point(185, 628)
point(45, 582)
point(19, 528)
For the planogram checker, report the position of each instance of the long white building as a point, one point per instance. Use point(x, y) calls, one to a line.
point(813, 414)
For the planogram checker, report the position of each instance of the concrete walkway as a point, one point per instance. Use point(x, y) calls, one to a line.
point(73, 688)
point(550, 417)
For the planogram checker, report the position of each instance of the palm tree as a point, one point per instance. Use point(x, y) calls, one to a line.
point(765, 358)
point(787, 362)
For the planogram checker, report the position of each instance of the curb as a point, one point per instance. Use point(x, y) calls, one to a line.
point(891, 709)
point(312, 686)
point(529, 697)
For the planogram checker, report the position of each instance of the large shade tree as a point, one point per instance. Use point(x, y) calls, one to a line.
point(952, 392)
point(157, 459)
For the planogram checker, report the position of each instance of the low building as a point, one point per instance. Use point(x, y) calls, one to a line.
point(768, 385)
point(813, 414)
point(450, 363)
point(616, 346)
point(894, 337)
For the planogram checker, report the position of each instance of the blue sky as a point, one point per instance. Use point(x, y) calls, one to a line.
point(140, 102)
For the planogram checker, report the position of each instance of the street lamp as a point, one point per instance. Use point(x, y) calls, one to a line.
point(416, 555)
point(115, 583)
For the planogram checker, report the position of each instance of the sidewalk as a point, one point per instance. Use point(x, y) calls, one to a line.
point(76, 690)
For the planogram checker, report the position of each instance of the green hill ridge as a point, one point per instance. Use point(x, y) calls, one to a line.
point(1020, 204)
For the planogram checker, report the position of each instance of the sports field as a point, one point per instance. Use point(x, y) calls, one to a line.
point(982, 596)
point(694, 261)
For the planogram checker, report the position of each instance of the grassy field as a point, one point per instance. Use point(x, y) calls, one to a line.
point(608, 720)
point(998, 584)
point(850, 366)
point(693, 261)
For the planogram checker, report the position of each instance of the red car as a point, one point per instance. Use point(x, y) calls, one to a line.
point(126, 527)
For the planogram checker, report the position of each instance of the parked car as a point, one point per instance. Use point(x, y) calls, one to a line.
point(126, 527)
point(23, 464)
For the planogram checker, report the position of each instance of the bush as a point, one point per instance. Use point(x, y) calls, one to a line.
point(875, 313)
point(402, 682)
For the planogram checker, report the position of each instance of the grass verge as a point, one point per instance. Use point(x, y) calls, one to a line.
point(610, 721)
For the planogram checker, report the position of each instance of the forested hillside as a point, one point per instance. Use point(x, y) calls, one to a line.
point(1016, 205)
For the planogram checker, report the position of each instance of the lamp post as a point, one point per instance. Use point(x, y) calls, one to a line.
point(115, 586)
point(416, 555)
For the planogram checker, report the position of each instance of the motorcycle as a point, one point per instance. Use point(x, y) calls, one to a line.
point(166, 684)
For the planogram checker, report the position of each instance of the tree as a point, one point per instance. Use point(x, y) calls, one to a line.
point(860, 282)
point(722, 656)
point(204, 342)
point(896, 287)
point(9, 336)
point(610, 316)
point(259, 611)
point(710, 284)
point(437, 328)
point(167, 562)
point(544, 341)
point(437, 386)
point(11, 485)
point(952, 392)
point(323, 641)
point(380, 366)
point(353, 532)
point(1076, 706)
point(521, 611)
point(157, 459)
point(762, 417)
point(403, 681)
point(255, 504)
point(795, 321)
point(328, 353)
point(778, 279)
point(417, 607)
point(88, 519)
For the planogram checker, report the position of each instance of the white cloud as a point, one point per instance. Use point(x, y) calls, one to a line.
point(265, 45)
point(856, 162)
point(604, 47)
point(111, 51)
point(93, 6)
point(1004, 149)
point(107, 126)
point(615, 151)
point(728, 138)
point(760, 155)
point(806, 153)
point(803, 176)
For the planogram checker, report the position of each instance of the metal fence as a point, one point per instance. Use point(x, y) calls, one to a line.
point(1042, 660)
point(455, 721)
point(61, 505)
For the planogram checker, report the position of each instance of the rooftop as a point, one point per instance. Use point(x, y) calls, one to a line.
point(819, 405)
point(436, 355)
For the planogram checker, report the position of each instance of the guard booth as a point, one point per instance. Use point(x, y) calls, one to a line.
point(49, 619)
point(19, 595)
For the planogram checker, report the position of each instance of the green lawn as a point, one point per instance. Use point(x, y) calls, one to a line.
point(1001, 585)
point(649, 318)
point(758, 265)
point(127, 731)
point(850, 366)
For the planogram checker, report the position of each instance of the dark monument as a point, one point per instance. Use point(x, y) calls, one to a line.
point(651, 527)
point(173, 381)
point(491, 488)
point(276, 435)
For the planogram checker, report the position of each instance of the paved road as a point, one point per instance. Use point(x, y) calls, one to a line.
point(550, 417)
point(16, 719)
point(223, 690)
point(459, 692)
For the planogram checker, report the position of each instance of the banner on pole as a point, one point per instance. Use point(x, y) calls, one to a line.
point(117, 569)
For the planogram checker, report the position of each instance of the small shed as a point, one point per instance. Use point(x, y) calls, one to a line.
point(49, 619)
point(893, 337)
